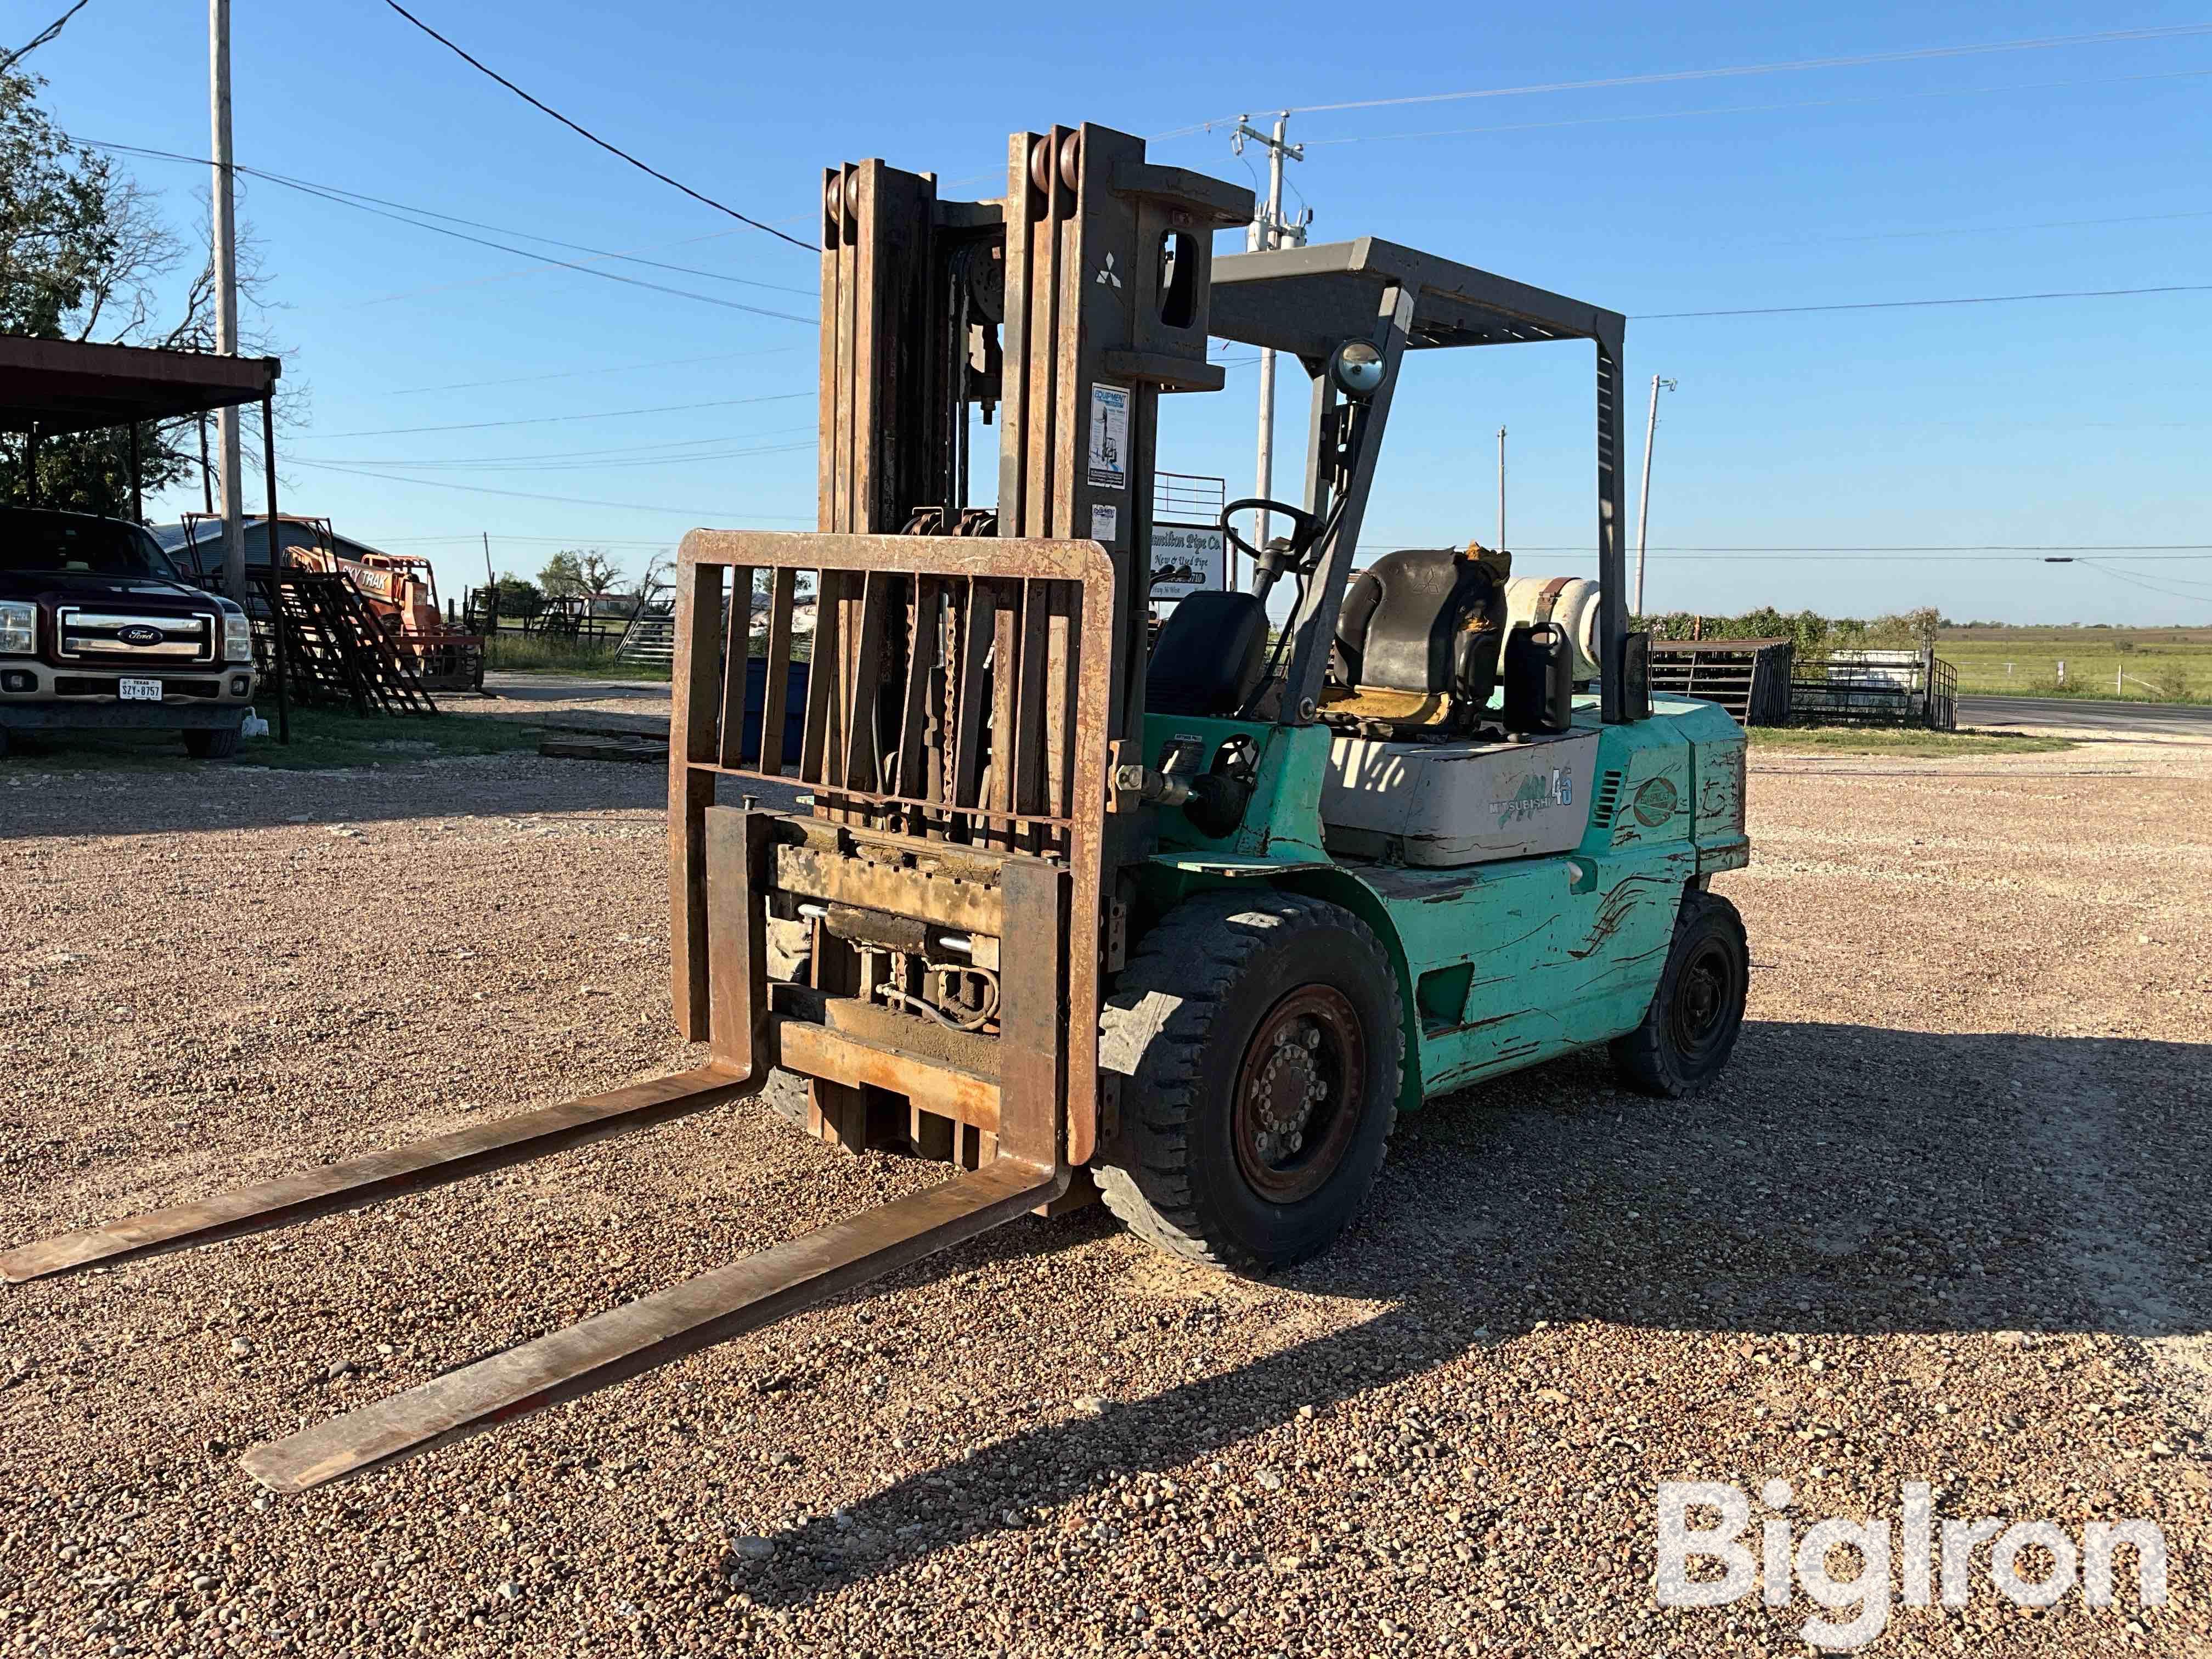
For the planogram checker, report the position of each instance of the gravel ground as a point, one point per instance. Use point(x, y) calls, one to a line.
point(1944, 1220)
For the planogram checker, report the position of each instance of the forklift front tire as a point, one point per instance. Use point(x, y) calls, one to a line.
point(1259, 1039)
point(1690, 1029)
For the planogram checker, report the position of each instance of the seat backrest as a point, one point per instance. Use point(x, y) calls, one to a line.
point(1422, 619)
point(1210, 655)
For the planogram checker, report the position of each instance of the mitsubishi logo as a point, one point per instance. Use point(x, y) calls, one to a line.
point(1106, 272)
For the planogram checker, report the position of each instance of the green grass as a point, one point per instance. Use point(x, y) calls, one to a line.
point(322, 740)
point(1890, 740)
point(2152, 665)
point(516, 652)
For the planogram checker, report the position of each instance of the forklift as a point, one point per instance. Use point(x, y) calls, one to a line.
point(1191, 920)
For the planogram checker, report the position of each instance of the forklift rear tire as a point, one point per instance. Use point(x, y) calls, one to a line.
point(212, 743)
point(1259, 1038)
point(1690, 1029)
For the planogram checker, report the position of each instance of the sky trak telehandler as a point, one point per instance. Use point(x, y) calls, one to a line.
point(1194, 919)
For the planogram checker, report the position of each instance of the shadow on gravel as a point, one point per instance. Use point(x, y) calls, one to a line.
point(1844, 1180)
point(34, 802)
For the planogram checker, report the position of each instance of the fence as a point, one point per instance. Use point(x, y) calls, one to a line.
point(1750, 679)
point(1875, 687)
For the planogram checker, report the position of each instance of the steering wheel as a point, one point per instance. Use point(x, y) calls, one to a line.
point(1303, 526)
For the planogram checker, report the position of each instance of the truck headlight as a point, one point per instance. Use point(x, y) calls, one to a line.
point(18, 628)
point(237, 637)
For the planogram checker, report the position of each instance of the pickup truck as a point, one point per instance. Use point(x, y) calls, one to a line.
point(98, 629)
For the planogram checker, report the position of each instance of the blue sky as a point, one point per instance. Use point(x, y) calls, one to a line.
point(2075, 166)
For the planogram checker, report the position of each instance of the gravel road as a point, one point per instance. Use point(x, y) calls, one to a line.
point(1945, 1220)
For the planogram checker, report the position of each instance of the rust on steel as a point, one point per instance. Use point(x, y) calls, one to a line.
point(945, 900)
point(467, 1151)
point(738, 846)
point(934, 1085)
point(1046, 606)
point(655, 1329)
point(691, 745)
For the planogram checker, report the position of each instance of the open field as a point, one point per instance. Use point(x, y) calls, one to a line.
point(2158, 664)
point(1944, 1220)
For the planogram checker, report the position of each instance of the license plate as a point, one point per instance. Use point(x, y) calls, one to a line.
point(139, 690)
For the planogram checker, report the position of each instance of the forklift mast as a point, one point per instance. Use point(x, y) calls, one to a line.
point(1064, 309)
point(973, 671)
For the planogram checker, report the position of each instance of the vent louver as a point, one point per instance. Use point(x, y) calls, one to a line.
point(1607, 799)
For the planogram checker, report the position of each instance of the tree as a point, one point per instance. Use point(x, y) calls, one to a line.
point(1919, 626)
point(577, 572)
point(519, 599)
point(84, 253)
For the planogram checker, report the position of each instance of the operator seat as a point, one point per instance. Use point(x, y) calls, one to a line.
point(1211, 655)
point(1423, 620)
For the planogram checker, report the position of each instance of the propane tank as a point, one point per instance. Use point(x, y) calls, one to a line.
point(1570, 601)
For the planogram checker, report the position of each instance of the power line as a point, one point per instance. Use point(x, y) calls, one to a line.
point(577, 373)
point(1896, 305)
point(41, 37)
point(2170, 593)
point(2178, 31)
point(348, 198)
point(1758, 109)
point(551, 457)
point(631, 465)
point(694, 514)
point(527, 465)
point(566, 264)
point(585, 132)
point(1852, 556)
point(544, 420)
point(472, 538)
point(361, 198)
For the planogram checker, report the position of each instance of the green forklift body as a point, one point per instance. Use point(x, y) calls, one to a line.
point(1511, 961)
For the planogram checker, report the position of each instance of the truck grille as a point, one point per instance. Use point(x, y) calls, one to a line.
point(109, 633)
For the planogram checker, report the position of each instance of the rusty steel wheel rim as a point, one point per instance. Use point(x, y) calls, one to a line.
point(1300, 1093)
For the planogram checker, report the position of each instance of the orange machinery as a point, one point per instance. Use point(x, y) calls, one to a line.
point(400, 591)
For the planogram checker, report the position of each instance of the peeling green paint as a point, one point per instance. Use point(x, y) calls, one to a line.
point(1563, 951)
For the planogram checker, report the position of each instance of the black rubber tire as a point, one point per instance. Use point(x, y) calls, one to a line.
point(211, 742)
point(1202, 985)
point(1690, 1029)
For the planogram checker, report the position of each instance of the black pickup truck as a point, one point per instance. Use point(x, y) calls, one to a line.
point(98, 629)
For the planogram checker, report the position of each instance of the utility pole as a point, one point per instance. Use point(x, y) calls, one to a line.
point(1643, 504)
point(226, 299)
point(1501, 490)
point(1269, 231)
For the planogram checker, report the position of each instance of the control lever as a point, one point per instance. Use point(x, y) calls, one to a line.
point(1213, 801)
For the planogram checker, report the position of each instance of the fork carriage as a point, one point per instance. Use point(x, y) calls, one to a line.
point(905, 944)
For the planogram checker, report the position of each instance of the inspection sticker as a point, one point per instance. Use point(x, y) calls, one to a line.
point(1109, 436)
